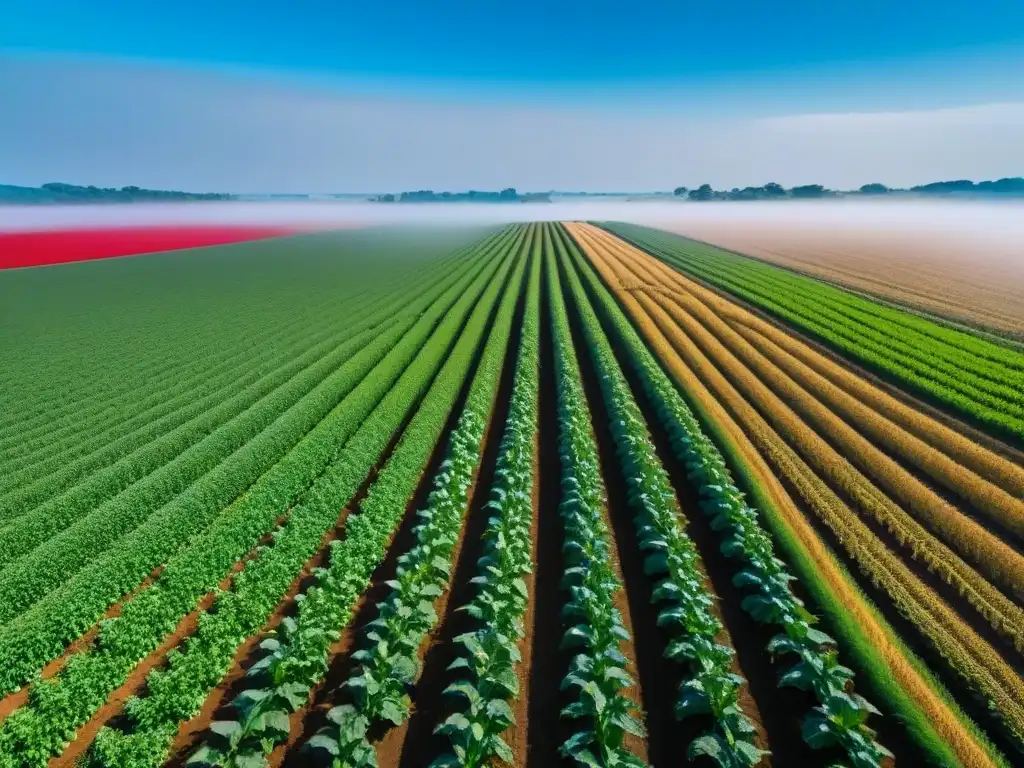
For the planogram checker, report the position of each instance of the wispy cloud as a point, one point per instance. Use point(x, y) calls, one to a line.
point(113, 124)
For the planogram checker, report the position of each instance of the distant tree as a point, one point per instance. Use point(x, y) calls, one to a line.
point(508, 194)
point(944, 187)
point(808, 190)
point(680, 191)
point(1009, 186)
point(874, 189)
point(703, 192)
point(771, 189)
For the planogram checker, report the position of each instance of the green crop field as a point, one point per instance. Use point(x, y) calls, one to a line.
point(530, 495)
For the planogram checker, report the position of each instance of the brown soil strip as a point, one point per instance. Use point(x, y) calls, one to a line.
point(546, 729)
point(217, 704)
point(518, 735)
point(430, 706)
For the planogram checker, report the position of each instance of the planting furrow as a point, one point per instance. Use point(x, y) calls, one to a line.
point(298, 657)
point(969, 656)
point(996, 559)
point(917, 362)
point(260, 586)
point(996, 362)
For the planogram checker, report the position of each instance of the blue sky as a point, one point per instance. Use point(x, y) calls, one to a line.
point(624, 70)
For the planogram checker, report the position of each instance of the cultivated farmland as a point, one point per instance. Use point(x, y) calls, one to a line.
point(530, 495)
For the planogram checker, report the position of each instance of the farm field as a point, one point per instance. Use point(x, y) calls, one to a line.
point(59, 246)
point(532, 495)
point(951, 277)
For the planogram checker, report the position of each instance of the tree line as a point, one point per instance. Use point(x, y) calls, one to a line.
point(773, 191)
point(59, 192)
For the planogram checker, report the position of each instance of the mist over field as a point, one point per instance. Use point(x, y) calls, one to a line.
point(998, 225)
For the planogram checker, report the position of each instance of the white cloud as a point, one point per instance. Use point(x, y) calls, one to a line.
point(116, 123)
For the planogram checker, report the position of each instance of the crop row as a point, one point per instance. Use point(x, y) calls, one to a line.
point(840, 716)
point(75, 431)
point(854, 462)
point(599, 708)
point(981, 666)
point(67, 411)
point(178, 693)
point(234, 323)
point(916, 363)
point(39, 728)
point(847, 460)
point(847, 392)
point(61, 462)
point(161, 468)
point(199, 482)
point(905, 690)
point(38, 635)
point(822, 404)
point(488, 656)
point(225, 290)
point(202, 387)
point(298, 656)
point(990, 363)
point(146, 479)
point(710, 687)
point(387, 661)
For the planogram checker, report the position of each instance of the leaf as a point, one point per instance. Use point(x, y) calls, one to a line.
point(656, 564)
point(629, 724)
point(578, 741)
point(228, 732)
point(817, 732)
point(500, 711)
point(706, 746)
point(393, 711)
point(455, 724)
point(502, 750)
point(324, 742)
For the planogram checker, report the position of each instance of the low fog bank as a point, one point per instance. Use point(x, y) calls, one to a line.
point(983, 222)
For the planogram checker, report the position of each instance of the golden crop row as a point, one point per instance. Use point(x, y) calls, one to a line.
point(658, 328)
point(967, 652)
point(999, 562)
point(960, 450)
point(1000, 505)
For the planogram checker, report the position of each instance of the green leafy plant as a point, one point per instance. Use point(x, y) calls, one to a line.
point(597, 678)
point(488, 656)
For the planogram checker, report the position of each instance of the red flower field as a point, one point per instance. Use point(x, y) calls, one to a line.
point(29, 249)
